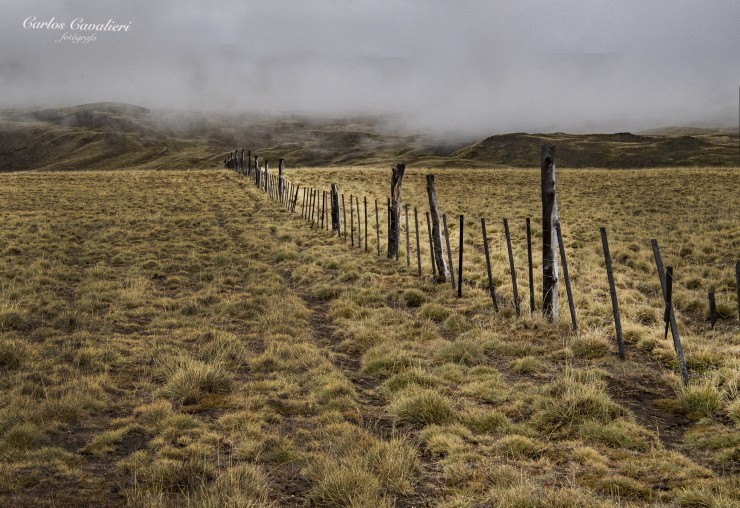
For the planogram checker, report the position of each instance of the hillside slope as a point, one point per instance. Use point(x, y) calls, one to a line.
point(114, 136)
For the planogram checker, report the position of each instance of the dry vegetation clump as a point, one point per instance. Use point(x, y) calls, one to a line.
point(181, 340)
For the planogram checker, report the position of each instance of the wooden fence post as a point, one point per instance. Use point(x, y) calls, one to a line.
point(249, 163)
point(267, 176)
point(491, 289)
point(418, 245)
point(549, 236)
point(241, 163)
point(571, 303)
point(344, 217)
point(281, 180)
point(364, 199)
point(511, 268)
point(359, 224)
point(460, 260)
point(436, 232)
point(394, 233)
point(612, 292)
point(352, 220)
point(737, 289)
point(257, 172)
point(335, 209)
point(671, 316)
point(531, 271)
point(377, 226)
point(295, 198)
point(408, 247)
point(431, 247)
point(449, 251)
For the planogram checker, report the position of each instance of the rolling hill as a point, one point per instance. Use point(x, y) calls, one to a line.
point(114, 136)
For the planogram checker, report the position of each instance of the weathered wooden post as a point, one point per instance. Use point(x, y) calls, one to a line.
point(431, 247)
point(449, 252)
point(549, 235)
point(249, 163)
point(394, 233)
point(364, 199)
point(267, 176)
point(491, 288)
point(712, 309)
point(436, 233)
point(335, 209)
point(566, 276)
point(408, 247)
point(511, 268)
point(352, 220)
point(612, 292)
point(377, 226)
point(281, 180)
point(257, 172)
point(418, 245)
point(295, 198)
point(460, 260)
point(241, 163)
point(344, 217)
point(359, 224)
point(531, 271)
point(323, 208)
point(671, 316)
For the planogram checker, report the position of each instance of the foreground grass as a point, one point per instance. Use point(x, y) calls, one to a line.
point(176, 339)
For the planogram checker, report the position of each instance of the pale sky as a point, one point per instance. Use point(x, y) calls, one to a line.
point(436, 66)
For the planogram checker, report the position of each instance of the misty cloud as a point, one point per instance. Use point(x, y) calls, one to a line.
point(442, 67)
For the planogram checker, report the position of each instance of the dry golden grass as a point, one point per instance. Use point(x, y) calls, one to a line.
point(177, 339)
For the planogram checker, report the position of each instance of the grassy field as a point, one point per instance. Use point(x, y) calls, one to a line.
point(178, 339)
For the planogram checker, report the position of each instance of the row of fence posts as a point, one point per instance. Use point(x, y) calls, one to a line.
point(321, 209)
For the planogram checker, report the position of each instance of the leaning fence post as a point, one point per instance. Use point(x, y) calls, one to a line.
point(712, 309)
point(549, 236)
point(671, 315)
point(449, 251)
point(418, 245)
point(531, 272)
point(612, 292)
point(571, 303)
point(431, 247)
point(295, 198)
point(491, 289)
point(436, 232)
point(511, 268)
point(460, 261)
point(408, 247)
point(394, 233)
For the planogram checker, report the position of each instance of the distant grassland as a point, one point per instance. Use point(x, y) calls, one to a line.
point(174, 338)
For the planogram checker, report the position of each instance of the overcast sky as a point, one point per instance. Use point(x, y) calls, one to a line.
point(440, 66)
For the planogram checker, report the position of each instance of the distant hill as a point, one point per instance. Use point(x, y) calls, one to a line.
point(115, 136)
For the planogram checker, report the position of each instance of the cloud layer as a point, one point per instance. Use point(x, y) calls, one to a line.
point(466, 67)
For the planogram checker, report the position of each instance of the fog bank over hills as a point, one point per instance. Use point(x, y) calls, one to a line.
point(456, 69)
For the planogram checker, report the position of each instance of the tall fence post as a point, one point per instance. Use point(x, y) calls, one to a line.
point(394, 233)
point(531, 270)
point(408, 247)
point(257, 172)
point(281, 180)
point(364, 200)
point(335, 209)
point(436, 232)
point(249, 163)
point(549, 236)
point(352, 220)
point(377, 226)
point(612, 292)
point(491, 289)
point(671, 316)
point(344, 217)
point(359, 224)
point(511, 268)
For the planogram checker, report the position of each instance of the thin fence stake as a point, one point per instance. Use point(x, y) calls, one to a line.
point(612, 292)
point(359, 225)
point(344, 217)
point(364, 198)
point(460, 261)
point(352, 220)
point(408, 247)
point(671, 316)
point(449, 252)
point(491, 289)
point(418, 249)
point(431, 247)
point(531, 271)
point(737, 289)
point(511, 268)
point(377, 226)
point(569, 291)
